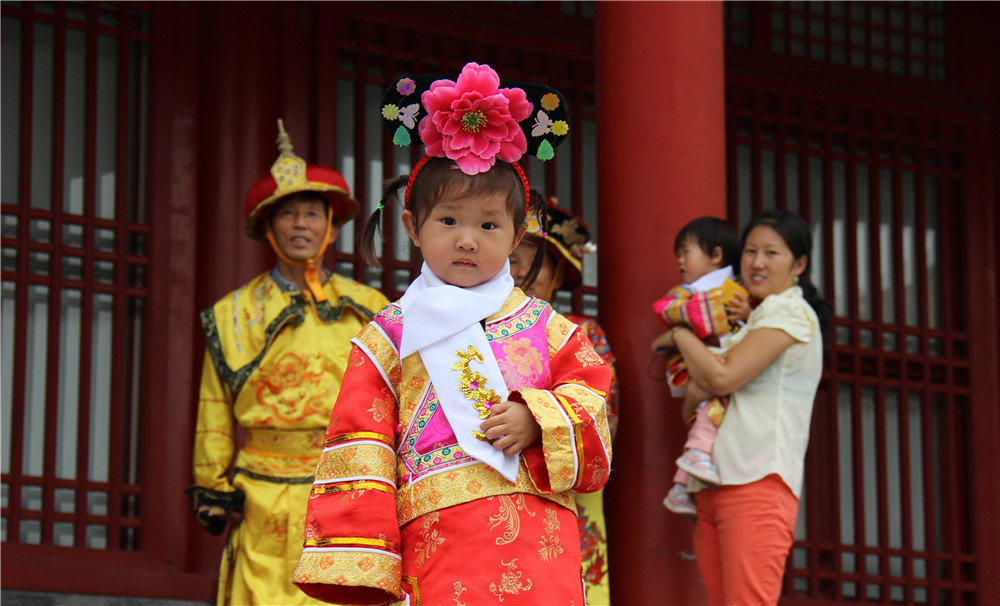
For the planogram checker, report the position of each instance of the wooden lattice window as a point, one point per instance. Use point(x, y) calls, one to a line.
point(903, 39)
point(738, 24)
point(885, 509)
point(75, 256)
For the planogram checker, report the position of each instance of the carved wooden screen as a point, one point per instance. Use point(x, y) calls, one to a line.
point(885, 513)
point(75, 257)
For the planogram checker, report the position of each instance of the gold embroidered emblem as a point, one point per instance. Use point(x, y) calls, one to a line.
point(523, 357)
point(357, 357)
point(551, 520)
point(291, 388)
point(586, 354)
point(510, 581)
point(276, 527)
point(508, 516)
point(568, 230)
point(429, 540)
point(550, 546)
point(598, 469)
point(459, 590)
point(473, 385)
point(312, 530)
point(382, 408)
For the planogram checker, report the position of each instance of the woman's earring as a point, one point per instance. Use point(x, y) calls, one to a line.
point(796, 278)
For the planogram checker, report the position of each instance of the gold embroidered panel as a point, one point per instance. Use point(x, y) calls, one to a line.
point(352, 460)
point(465, 484)
point(354, 568)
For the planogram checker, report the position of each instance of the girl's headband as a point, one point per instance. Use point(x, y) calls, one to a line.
point(474, 122)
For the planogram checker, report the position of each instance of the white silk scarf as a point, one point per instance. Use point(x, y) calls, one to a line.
point(441, 322)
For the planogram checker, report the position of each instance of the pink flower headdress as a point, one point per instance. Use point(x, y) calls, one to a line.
point(475, 121)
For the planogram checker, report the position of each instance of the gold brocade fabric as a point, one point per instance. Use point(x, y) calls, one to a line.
point(275, 369)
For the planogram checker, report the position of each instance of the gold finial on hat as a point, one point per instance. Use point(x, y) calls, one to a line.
point(288, 170)
point(284, 141)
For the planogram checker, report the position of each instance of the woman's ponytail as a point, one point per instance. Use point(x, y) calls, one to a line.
point(822, 307)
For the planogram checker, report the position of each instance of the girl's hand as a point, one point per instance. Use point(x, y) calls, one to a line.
point(511, 427)
point(738, 308)
point(664, 341)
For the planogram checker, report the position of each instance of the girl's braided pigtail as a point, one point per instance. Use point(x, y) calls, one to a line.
point(374, 224)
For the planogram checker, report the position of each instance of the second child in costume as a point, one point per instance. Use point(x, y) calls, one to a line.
point(471, 413)
point(277, 348)
point(712, 304)
point(564, 240)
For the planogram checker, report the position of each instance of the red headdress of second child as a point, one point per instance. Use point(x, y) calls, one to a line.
point(566, 238)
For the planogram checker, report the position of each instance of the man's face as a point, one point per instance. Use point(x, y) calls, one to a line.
point(298, 225)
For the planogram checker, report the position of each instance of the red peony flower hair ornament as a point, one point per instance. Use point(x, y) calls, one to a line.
point(475, 120)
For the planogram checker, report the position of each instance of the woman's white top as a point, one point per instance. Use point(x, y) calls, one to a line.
point(766, 427)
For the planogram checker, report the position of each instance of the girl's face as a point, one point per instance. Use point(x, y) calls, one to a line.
point(520, 264)
point(466, 241)
point(768, 265)
point(693, 262)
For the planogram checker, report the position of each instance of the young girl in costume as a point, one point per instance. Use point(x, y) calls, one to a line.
point(470, 413)
point(711, 303)
point(564, 239)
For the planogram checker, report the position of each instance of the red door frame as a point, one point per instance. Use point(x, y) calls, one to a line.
point(194, 245)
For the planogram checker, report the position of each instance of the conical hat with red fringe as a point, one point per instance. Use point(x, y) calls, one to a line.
point(290, 175)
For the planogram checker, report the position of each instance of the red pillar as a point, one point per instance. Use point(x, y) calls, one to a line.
point(661, 156)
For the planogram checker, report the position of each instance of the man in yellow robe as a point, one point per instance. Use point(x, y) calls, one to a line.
point(277, 348)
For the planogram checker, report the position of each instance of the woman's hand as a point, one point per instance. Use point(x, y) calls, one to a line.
point(743, 362)
point(663, 342)
point(511, 427)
